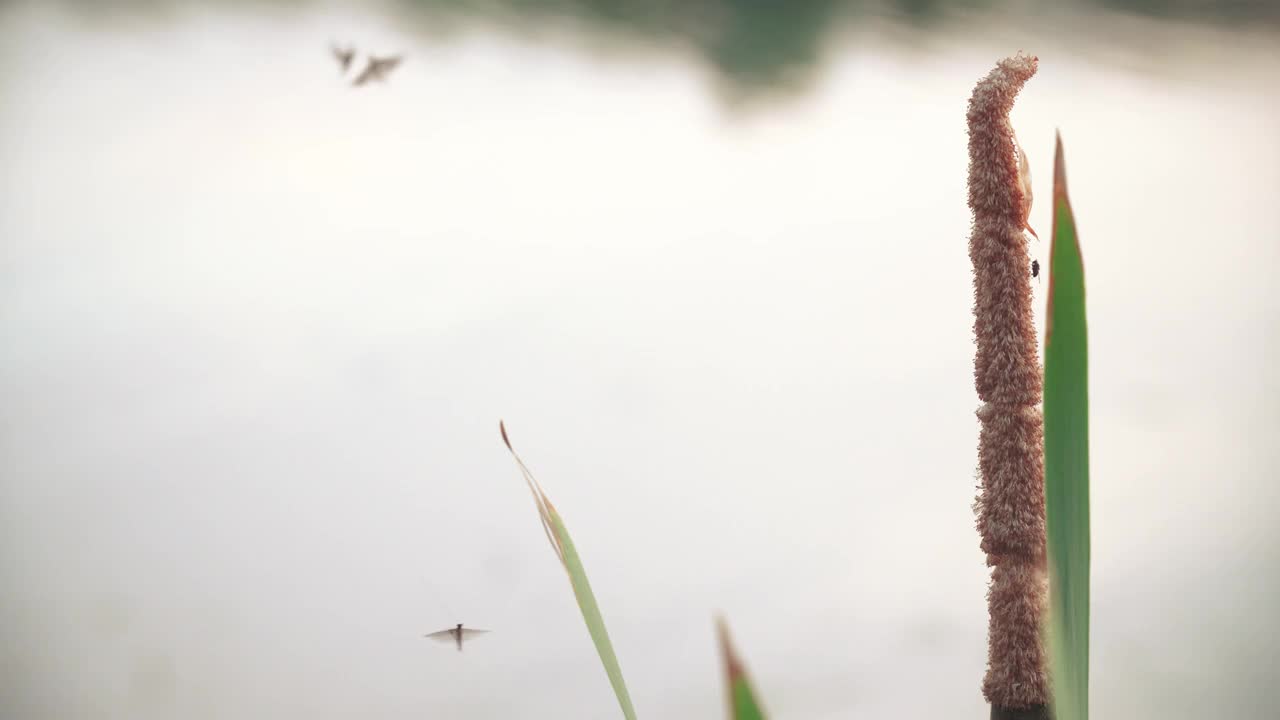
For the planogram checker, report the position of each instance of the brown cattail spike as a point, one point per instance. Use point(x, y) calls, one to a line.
point(1008, 380)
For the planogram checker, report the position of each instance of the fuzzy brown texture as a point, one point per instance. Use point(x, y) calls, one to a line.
point(1016, 676)
point(1011, 464)
point(1007, 369)
point(1008, 379)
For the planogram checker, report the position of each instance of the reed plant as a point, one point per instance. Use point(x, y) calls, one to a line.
point(1033, 446)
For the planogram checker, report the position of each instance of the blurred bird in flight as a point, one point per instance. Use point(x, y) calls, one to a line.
point(344, 56)
point(455, 635)
point(377, 69)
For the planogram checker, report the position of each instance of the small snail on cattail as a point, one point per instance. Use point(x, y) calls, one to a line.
point(1024, 179)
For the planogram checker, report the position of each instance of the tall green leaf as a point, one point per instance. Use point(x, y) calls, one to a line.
point(558, 535)
point(742, 701)
point(1066, 459)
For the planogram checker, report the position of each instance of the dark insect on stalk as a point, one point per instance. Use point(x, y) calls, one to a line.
point(1035, 268)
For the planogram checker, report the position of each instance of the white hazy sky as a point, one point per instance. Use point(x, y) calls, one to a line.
point(260, 328)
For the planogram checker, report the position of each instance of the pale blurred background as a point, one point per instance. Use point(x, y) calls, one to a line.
point(259, 327)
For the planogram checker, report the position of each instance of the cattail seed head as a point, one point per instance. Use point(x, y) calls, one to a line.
point(1007, 377)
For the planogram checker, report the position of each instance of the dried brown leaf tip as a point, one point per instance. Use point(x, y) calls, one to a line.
point(1008, 380)
point(1063, 202)
point(733, 666)
point(737, 684)
point(546, 511)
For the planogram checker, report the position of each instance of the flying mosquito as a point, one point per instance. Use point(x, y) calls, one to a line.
point(344, 56)
point(377, 69)
point(455, 635)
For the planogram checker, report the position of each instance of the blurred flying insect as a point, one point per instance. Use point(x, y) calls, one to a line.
point(1024, 179)
point(455, 635)
point(377, 69)
point(344, 56)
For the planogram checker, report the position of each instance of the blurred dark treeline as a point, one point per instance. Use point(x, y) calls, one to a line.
point(749, 43)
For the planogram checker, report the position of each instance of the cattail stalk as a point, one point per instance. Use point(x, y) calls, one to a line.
point(1007, 376)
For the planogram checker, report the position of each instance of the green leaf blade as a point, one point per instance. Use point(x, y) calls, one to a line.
point(558, 535)
point(742, 700)
point(591, 614)
point(1066, 428)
